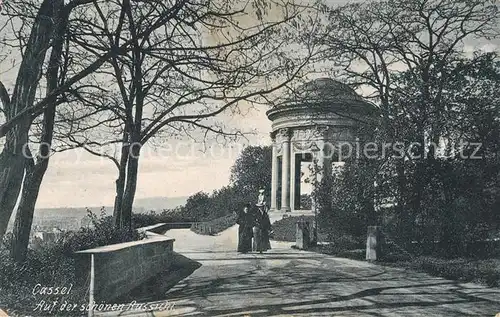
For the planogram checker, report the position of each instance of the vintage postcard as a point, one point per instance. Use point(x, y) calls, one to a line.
point(249, 158)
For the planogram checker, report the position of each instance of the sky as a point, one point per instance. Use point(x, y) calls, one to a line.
point(78, 179)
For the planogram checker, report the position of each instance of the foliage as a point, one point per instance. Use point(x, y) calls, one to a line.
point(285, 229)
point(228, 200)
point(225, 201)
point(409, 57)
point(53, 264)
point(47, 266)
point(338, 245)
point(197, 206)
point(345, 243)
point(345, 200)
point(305, 202)
point(457, 211)
point(250, 172)
point(102, 232)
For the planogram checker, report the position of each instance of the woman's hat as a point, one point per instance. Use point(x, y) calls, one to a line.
point(261, 190)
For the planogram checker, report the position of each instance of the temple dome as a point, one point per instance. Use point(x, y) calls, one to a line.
point(324, 89)
point(327, 95)
point(323, 101)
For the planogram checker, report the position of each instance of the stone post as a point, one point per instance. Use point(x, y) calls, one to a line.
point(374, 243)
point(285, 179)
point(302, 234)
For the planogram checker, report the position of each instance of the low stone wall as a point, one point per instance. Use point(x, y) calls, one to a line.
point(119, 268)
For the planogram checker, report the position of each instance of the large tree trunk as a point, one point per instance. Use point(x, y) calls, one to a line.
point(449, 242)
point(372, 218)
point(35, 172)
point(12, 158)
point(420, 180)
point(130, 188)
point(12, 172)
point(120, 182)
point(134, 148)
point(26, 209)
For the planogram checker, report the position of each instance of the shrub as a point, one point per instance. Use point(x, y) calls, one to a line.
point(102, 232)
point(285, 229)
point(53, 264)
point(344, 200)
point(358, 254)
point(250, 172)
point(48, 266)
point(225, 201)
point(305, 201)
point(343, 243)
point(345, 247)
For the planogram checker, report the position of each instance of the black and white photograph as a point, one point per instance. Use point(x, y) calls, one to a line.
point(249, 158)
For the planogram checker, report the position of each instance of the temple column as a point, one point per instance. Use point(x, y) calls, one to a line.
point(293, 173)
point(285, 179)
point(274, 177)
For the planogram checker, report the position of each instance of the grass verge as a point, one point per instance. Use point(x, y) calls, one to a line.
point(481, 271)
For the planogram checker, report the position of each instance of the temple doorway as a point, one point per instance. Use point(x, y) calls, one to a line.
point(303, 186)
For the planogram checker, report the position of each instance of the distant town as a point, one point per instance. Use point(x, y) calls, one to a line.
point(50, 223)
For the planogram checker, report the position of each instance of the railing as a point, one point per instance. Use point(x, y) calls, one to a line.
point(214, 226)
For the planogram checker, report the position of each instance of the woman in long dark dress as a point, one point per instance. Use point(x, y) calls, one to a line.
point(261, 230)
point(246, 222)
point(267, 230)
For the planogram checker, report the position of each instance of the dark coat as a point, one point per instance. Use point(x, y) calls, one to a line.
point(246, 222)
